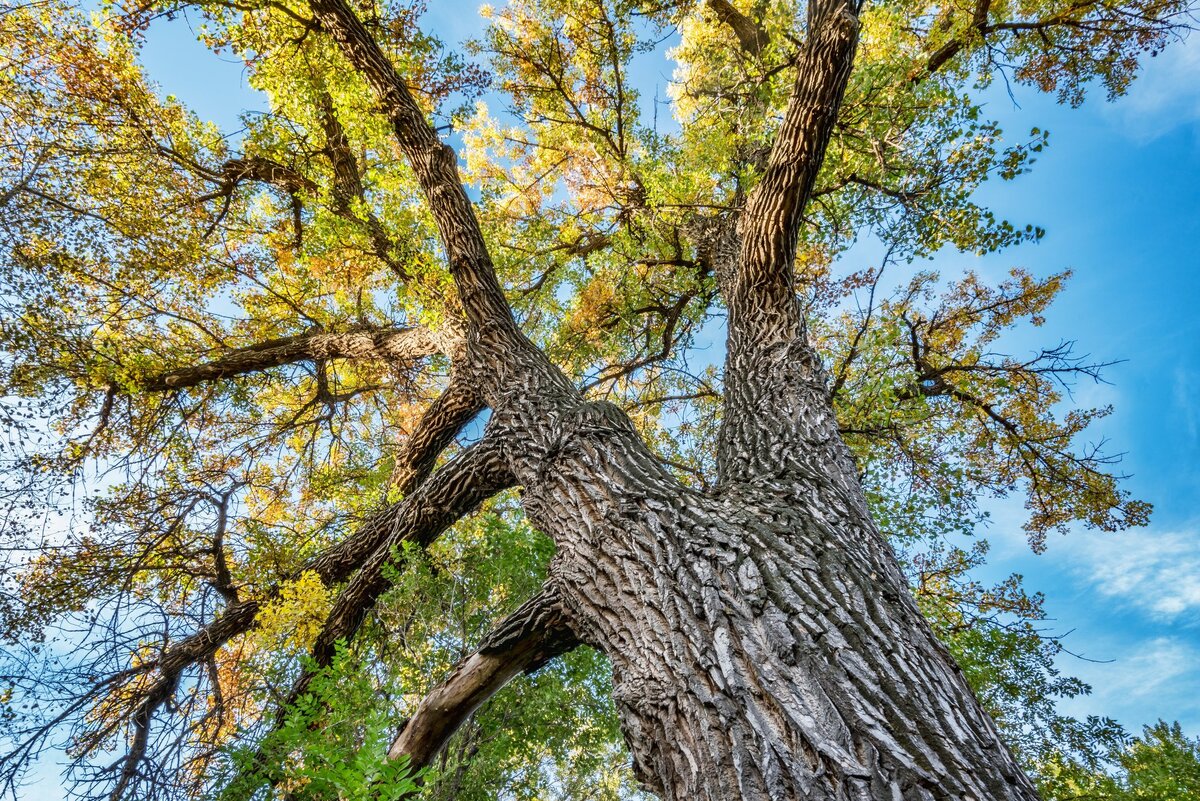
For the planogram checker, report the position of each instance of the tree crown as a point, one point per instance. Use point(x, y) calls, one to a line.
point(224, 353)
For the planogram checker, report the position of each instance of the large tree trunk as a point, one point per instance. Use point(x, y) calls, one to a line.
point(763, 640)
point(764, 644)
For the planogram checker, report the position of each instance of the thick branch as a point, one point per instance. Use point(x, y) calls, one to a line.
point(751, 36)
point(454, 492)
point(438, 427)
point(762, 293)
point(433, 162)
point(526, 640)
point(775, 400)
point(394, 344)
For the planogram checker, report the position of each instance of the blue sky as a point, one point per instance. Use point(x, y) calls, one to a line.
point(1117, 192)
point(1118, 195)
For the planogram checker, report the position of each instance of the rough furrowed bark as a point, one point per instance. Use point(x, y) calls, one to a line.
point(437, 428)
point(762, 293)
point(434, 164)
point(763, 641)
point(506, 359)
point(765, 323)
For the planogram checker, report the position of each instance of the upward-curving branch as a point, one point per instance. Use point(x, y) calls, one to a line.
point(434, 163)
point(772, 378)
point(761, 292)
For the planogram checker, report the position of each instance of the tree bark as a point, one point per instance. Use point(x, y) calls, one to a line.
point(763, 640)
point(399, 345)
point(526, 640)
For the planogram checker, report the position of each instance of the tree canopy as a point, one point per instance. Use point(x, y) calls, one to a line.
point(230, 361)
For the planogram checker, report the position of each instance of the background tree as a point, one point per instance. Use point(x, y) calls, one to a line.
point(263, 382)
point(1161, 764)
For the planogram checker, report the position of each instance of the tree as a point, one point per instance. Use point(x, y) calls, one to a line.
point(1162, 765)
point(285, 365)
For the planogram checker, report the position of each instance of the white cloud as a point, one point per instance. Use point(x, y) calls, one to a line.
point(1156, 664)
point(1158, 572)
point(1155, 679)
point(1165, 95)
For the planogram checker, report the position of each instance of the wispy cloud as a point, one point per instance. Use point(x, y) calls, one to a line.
point(1156, 678)
point(1186, 390)
point(1157, 572)
point(1145, 673)
point(1165, 96)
